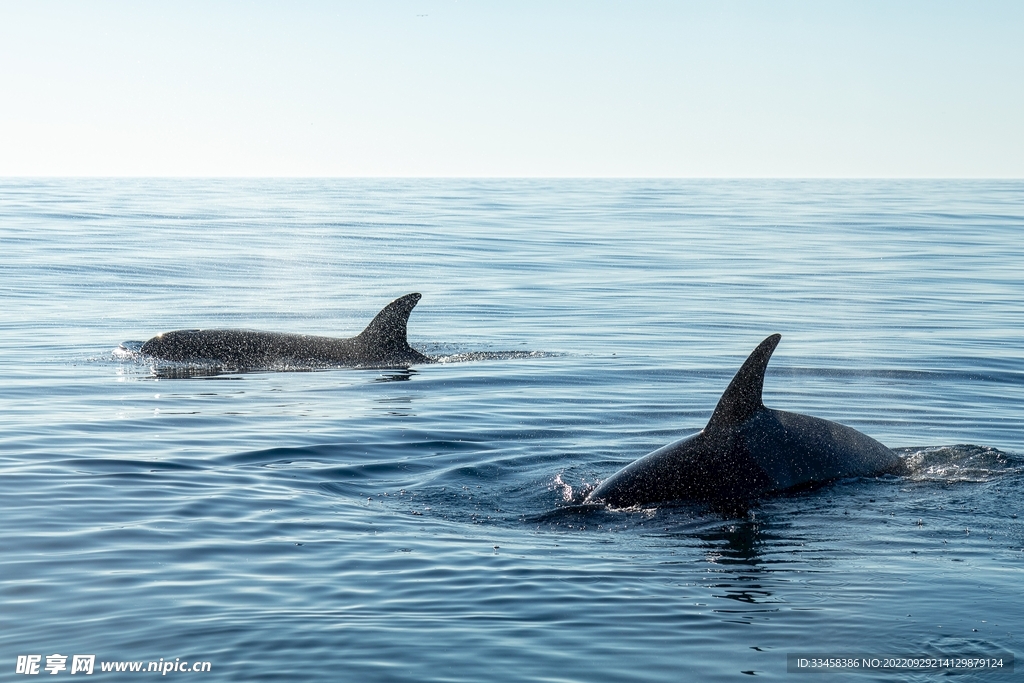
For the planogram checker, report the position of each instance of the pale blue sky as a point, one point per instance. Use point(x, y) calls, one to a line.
point(458, 88)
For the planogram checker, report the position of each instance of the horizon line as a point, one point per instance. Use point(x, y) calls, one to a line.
point(485, 177)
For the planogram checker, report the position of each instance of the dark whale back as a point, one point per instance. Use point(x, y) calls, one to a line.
point(747, 450)
point(383, 343)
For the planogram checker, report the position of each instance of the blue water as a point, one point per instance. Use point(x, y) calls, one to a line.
point(390, 525)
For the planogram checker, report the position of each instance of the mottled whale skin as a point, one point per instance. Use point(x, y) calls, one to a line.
point(747, 451)
point(382, 344)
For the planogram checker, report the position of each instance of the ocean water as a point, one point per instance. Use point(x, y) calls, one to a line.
point(418, 524)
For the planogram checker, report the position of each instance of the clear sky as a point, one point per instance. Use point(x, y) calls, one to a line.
point(763, 88)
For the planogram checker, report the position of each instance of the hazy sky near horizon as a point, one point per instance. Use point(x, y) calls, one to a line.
point(459, 88)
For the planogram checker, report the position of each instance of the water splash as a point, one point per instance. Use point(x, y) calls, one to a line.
point(957, 463)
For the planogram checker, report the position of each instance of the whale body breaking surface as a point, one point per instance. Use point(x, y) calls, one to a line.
point(747, 450)
point(382, 344)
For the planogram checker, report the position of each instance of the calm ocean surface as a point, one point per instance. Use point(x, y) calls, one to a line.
point(390, 525)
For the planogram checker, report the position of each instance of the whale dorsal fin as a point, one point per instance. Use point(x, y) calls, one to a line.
point(742, 398)
point(386, 333)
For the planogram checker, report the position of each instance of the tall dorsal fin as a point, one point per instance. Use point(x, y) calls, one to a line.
point(386, 333)
point(742, 398)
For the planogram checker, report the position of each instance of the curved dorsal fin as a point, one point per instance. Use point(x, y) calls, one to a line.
point(743, 396)
point(386, 333)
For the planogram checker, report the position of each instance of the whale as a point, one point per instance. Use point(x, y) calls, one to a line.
point(382, 344)
point(747, 451)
